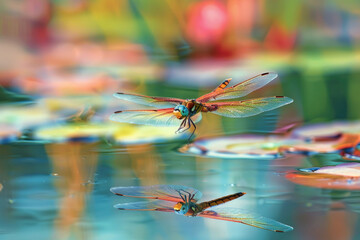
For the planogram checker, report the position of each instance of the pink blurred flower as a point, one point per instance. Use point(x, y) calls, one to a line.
point(207, 22)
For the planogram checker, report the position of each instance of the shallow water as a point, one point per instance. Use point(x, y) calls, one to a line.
point(61, 191)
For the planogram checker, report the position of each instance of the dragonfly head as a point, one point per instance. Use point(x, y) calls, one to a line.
point(181, 208)
point(181, 111)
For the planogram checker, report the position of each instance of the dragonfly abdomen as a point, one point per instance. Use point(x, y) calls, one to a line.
point(223, 84)
point(218, 201)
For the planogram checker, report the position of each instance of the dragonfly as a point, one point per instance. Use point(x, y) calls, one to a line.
point(184, 201)
point(186, 112)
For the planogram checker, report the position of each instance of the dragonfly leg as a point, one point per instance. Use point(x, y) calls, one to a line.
point(190, 196)
point(191, 122)
point(183, 197)
point(182, 125)
point(187, 123)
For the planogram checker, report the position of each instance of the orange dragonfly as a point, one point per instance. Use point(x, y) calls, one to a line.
point(183, 200)
point(175, 111)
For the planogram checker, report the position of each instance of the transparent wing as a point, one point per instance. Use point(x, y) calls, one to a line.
point(162, 192)
point(249, 107)
point(245, 217)
point(158, 102)
point(156, 117)
point(240, 89)
point(151, 205)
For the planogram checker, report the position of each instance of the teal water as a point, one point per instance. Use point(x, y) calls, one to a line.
point(61, 191)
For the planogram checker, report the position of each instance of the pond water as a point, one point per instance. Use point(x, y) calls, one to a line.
point(58, 187)
point(61, 191)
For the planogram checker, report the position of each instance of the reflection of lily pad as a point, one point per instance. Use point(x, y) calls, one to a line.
point(341, 143)
point(133, 134)
point(266, 146)
point(121, 133)
point(342, 176)
point(331, 145)
point(241, 146)
point(22, 117)
point(322, 130)
point(346, 169)
point(73, 131)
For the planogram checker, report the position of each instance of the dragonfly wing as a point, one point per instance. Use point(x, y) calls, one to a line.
point(245, 217)
point(158, 102)
point(162, 192)
point(249, 107)
point(151, 205)
point(156, 117)
point(240, 89)
point(197, 117)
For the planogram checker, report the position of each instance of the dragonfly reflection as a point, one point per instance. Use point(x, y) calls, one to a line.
point(184, 201)
point(175, 111)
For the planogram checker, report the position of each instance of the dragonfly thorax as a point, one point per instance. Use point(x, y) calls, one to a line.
point(188, 109)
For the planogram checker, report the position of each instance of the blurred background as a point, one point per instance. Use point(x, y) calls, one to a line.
point(72, 48)
point(62, 60)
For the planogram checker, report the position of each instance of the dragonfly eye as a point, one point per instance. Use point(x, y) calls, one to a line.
point(179, 208)
point(184, 111)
